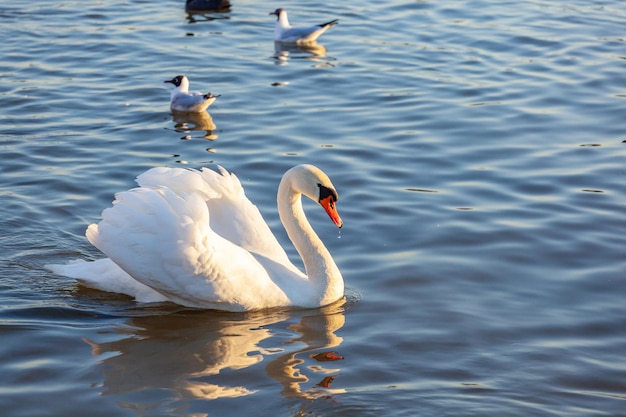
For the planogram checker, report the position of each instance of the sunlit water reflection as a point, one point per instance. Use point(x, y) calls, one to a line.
point(478, 150)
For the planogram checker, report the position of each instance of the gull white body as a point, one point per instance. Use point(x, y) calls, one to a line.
point(193, 238)
point(183, 100)
point(284, 32)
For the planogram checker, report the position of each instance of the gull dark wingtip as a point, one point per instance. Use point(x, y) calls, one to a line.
point(331, 23)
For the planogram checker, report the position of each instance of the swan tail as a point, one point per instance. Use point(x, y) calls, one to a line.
point(105, 275)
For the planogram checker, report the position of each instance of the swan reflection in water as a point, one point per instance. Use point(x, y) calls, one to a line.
point(317, 332)
point(206, 355)
point(283, 52)
point(188, 122)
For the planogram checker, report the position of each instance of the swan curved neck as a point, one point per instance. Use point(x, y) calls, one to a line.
point(321, 270)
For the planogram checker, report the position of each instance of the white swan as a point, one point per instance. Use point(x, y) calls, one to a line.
point(193, 238)
point(284, 32)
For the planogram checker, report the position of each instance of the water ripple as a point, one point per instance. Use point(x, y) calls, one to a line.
point(478, 151)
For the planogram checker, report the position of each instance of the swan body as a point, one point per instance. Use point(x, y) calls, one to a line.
point(192, 237)
point(284, 32)
point(181, 99)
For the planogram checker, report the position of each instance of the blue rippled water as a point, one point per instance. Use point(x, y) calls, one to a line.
point(479, 152)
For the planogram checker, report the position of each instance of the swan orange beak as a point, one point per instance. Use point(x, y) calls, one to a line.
point(329, 206)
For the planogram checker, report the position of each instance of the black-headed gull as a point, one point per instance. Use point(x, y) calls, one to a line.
point(284, 32)
point(181, 99)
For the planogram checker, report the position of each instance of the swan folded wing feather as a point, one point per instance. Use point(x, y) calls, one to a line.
point(179, 180)
point(237, 219)
point(233, 273)
point(233, 215)
point(183, 258)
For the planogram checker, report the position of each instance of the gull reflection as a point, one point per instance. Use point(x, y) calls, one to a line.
point(200, 355)
point(187, 122)
point(283, 52)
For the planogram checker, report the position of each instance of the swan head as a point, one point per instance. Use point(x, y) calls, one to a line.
point(315, 184)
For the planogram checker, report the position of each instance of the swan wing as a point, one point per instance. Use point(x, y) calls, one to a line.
point(164, 240)
point(233, 216)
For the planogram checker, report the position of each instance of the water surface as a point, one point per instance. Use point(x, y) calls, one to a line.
point(478, 150)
